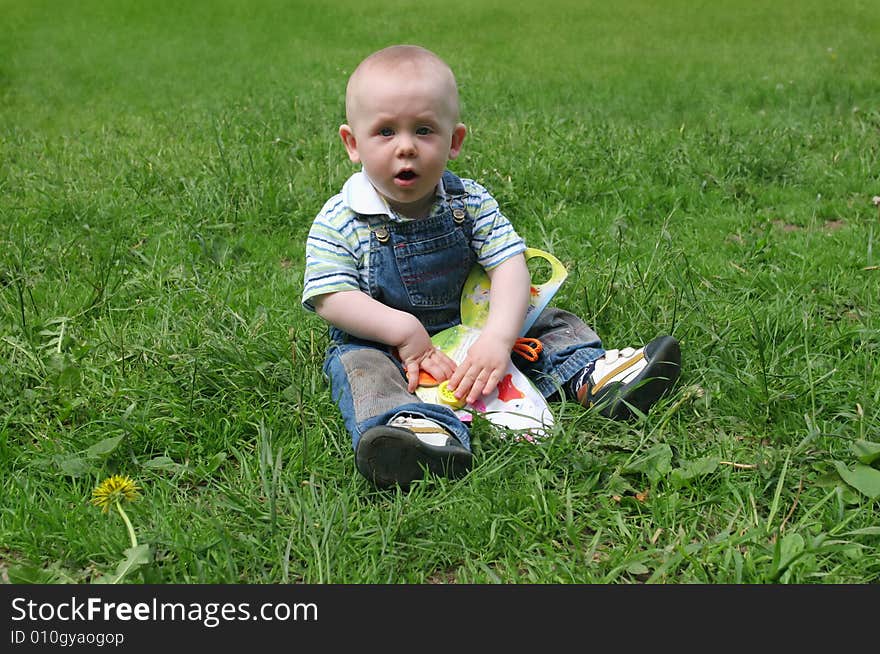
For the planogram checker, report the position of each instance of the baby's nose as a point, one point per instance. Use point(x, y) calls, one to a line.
point(406, 144)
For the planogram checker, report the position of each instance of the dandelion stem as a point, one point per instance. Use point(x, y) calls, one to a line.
point(134, 540)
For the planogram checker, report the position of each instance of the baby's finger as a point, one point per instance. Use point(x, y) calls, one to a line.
point(412, 376)
point(492, 382)
point(473, 383)
point(462, 381)
point(449, 365)
point(439, 365)
point(456, 377)
point(480, 385)
point(440, 355)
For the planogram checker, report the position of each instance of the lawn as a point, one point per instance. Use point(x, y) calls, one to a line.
point(706, 171)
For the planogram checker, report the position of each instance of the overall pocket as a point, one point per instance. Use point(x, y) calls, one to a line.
point(433, 270)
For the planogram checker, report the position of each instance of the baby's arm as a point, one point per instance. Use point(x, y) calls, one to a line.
point(360, 315)
point(487, 359)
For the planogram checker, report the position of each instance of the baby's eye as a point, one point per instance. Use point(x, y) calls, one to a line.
point(423, 131)
point(386, 131)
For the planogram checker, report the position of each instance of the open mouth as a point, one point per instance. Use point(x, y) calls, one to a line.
point(406, 175)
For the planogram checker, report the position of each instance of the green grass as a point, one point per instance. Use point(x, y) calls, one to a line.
point(702, 170)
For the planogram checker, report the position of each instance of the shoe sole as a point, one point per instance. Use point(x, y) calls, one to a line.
point(664, 366)
point(394, 456)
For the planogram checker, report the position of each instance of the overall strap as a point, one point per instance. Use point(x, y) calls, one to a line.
point(452, 184)
point(456, 195)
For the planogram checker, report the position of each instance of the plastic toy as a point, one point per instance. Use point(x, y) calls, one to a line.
point(515, 404)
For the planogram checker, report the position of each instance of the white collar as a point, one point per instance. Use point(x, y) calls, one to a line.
point(359, 195)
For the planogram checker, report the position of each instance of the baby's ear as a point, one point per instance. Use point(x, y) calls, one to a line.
point(350, 142)
point(458, 135)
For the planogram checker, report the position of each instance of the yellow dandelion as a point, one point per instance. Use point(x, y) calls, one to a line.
point(112, 492)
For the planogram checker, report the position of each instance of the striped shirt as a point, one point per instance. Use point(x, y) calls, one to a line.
point(338, 245)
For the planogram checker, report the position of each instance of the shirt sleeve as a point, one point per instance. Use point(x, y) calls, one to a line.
point(332, 253)
point(494, 239)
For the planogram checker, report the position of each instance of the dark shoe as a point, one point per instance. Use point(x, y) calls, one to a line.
point(401, 451)
point(628, 379)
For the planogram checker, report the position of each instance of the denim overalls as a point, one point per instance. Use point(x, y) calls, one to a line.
point(420, 267)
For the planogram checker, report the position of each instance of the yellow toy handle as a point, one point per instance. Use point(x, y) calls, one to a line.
point(558, 274)
point(541, 294)
point(475, 297)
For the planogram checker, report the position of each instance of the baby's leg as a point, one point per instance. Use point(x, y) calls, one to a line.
point(369, 387)
point(620, 383)
point(569, 345)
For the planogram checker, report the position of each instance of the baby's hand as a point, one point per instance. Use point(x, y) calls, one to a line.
point(437, 364)
point(482, 368)
point(418, 353)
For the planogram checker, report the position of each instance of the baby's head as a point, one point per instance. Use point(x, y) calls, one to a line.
point(403, 125)
point(409, 62)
